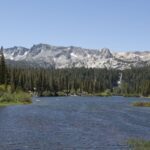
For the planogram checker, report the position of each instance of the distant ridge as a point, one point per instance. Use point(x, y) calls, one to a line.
point(48, 56)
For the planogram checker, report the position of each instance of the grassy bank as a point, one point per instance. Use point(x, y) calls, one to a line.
point(141, 104)
point(13, 103)
point(103, 94)
point(137, 144)
point(73, 93)
point(7, 97)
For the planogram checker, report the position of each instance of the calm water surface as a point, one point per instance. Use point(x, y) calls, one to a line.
point(73, 123)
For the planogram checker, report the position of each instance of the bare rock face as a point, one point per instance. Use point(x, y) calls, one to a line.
point(47, 56)
point(105, 53)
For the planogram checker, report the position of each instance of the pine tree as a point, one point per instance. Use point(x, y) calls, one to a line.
point(3, 70)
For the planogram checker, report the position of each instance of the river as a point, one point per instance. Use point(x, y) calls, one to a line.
point(73, 123)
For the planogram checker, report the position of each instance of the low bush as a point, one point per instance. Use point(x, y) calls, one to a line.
point(137, 144)
point(141, 104)
point(6, 96)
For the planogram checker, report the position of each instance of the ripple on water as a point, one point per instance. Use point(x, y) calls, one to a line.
point(73, 123)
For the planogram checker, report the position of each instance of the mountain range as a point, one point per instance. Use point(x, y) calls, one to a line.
point(48, 56)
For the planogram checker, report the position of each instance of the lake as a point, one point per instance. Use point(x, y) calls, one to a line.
point(73, 123)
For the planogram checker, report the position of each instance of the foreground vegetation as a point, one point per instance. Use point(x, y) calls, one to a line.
point(137, 144)
point(7, 97)
point(141, 104)
point(10, 95)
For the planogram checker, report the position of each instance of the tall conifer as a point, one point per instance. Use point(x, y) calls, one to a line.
point(3, 72)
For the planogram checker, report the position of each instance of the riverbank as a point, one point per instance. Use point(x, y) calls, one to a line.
point(15, 99)
point(101, 94)
point(105, 93)
point(72, 93)
point(18, 97)
point(13, 103)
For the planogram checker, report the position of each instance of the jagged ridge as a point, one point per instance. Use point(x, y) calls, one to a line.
point(44, 55)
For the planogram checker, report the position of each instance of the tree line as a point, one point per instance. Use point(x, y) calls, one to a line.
point(51, 81)
point(135, 81)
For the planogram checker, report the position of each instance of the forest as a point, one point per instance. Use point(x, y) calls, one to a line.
point(75, 81)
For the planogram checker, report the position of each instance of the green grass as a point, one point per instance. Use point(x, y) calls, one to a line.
point(137, 144)
point(19, 98)
point(2, 104)
point(131, 95)
point(13, 98)
point(141, 104)
point(104, 94)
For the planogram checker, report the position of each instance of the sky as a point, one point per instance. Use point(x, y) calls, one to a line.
point(120, 25)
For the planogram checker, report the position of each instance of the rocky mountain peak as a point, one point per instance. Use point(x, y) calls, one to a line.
point(105, 53)
point(44, 55)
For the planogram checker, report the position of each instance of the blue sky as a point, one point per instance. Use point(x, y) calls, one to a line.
point(120, 25)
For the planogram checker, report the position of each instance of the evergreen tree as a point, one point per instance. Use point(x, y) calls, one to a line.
point(3, 70)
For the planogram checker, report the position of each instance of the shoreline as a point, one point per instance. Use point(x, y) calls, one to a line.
point(90, 95)
point(3, 104)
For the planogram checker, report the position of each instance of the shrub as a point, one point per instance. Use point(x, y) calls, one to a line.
point(141, 104)
point(137, 144)
point(17, 97)
point(6, 97)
